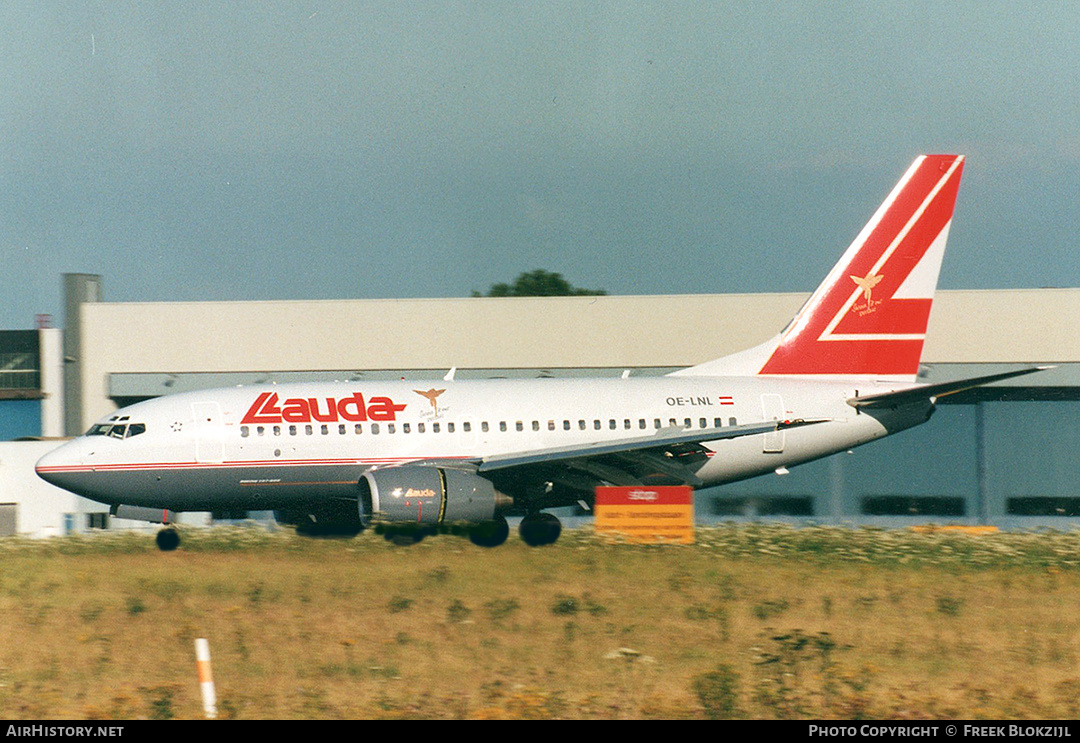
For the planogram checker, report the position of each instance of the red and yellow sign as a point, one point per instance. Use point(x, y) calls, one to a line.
point(647, 515)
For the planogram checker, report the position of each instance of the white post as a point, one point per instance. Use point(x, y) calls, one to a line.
point(206, 678)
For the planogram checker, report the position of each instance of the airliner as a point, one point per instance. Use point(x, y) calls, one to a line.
point(413, 458)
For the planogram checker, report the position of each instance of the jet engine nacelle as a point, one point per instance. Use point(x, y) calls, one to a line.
point(427, 495)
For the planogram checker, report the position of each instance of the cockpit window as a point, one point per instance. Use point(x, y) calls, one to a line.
point(117, 430)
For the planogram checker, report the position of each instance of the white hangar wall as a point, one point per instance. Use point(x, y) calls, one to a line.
point(607, 332)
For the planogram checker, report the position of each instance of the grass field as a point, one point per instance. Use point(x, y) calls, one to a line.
point(752, 621)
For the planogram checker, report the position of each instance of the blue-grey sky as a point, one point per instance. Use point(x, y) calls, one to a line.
point(312, 150)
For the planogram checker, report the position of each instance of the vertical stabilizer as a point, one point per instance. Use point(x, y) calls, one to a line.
point(869, 316)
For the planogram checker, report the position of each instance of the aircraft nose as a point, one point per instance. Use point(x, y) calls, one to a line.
point(60, 466)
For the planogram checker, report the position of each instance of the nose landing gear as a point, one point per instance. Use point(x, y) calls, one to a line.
point(168, 539)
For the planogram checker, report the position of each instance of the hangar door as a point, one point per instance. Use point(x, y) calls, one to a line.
point(8, 522)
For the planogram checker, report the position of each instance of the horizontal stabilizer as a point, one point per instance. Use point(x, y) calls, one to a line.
point(934, 391)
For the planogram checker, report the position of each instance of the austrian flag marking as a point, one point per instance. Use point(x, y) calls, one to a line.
point(266, 409)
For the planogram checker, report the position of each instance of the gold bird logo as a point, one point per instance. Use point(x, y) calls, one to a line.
point(867, 283)
point(431, 396)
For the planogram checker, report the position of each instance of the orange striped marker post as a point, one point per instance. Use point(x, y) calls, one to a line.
point(206, 678)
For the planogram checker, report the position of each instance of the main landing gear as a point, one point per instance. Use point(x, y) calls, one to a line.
point(490, 533)
point(538, 529)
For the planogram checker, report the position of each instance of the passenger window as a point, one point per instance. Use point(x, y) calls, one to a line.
point(390, 428)
point(519, 426)
point(308, 430)
point(566, 425)
point(434, 427)
point(502, 425)
point(484, 426)
point(358, 429)
point(420, 428)
point(449, 427)
point(405, 428)
point(732, 422)
point(325, 429)
point(375, 428)
point(244, 432)
point(260, 430)
point(292, 430)
point(466, 426)
point(551, 425)
point(277, 430)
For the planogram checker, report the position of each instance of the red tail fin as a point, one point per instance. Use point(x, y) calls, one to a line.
point(869, 316)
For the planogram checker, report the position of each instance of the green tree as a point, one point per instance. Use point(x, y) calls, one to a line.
point(538, 283)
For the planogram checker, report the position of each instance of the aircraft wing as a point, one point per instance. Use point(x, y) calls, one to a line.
point(670, 452)
point(932, 392)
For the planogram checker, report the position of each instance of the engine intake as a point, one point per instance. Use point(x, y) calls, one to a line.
point(427, 494)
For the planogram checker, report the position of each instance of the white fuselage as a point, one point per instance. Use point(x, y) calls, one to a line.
point(280, 445)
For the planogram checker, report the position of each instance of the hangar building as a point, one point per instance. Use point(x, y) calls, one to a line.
point(1001, 455)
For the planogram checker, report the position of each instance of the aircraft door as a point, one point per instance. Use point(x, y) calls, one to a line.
point(209, 432)
point(772, 409)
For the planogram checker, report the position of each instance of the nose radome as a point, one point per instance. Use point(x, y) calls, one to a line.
point(53, 466)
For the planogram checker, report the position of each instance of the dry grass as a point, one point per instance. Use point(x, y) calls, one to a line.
point(752, 621)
